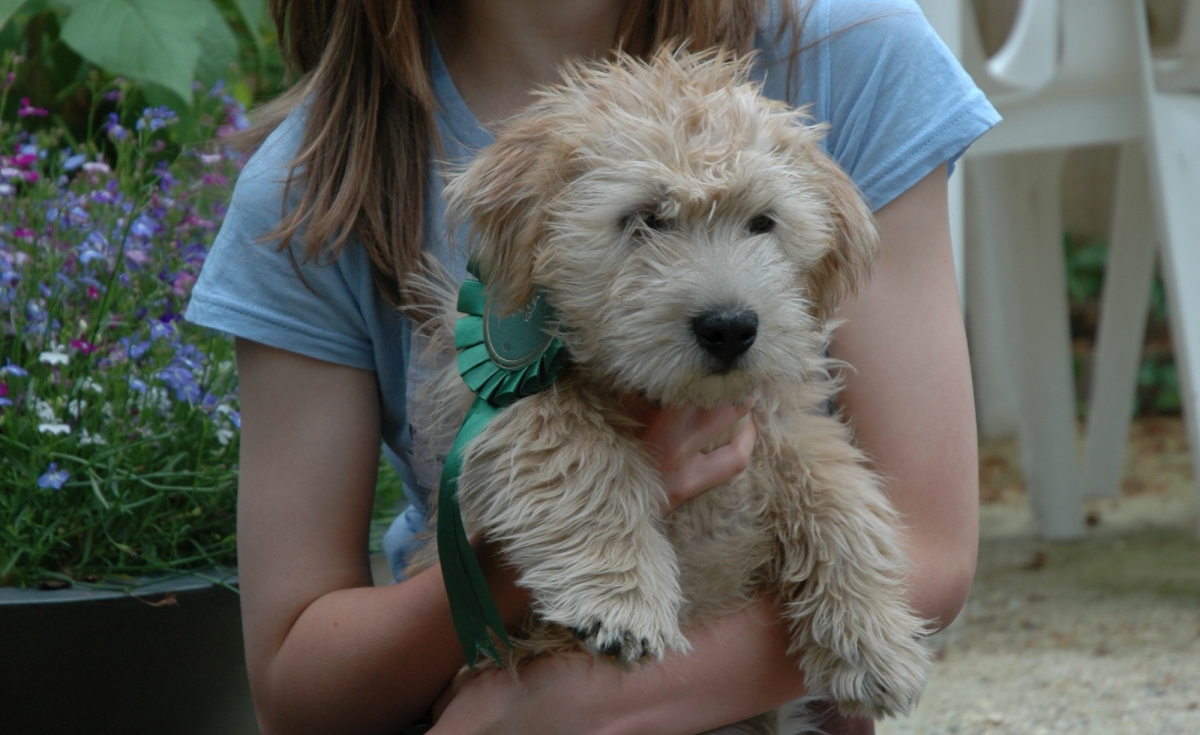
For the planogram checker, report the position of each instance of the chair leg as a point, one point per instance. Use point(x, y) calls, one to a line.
point(1175, 171)
point(1022, 224)
point(955, 197)
point(1128, 277)
point(991, 360)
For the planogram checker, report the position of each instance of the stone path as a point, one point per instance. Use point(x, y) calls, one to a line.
point(1091, 637)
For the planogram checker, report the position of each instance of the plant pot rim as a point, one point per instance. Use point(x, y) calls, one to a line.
point(140, 586)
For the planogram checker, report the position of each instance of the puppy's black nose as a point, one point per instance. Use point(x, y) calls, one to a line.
point(725, 334)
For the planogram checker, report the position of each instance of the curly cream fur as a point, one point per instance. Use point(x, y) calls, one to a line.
point(565, 199)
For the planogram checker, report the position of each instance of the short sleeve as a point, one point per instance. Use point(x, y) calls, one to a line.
point(896, 101)
point(251, 289)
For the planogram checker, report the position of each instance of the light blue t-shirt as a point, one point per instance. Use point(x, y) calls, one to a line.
point(897, 103)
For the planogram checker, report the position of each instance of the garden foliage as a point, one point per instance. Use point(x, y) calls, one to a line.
point(117, 419)
point(167, 43)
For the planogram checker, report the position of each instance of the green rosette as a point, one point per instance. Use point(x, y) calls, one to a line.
point(501, 360)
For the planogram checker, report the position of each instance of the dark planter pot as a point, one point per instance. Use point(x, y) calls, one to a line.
point(165, 659)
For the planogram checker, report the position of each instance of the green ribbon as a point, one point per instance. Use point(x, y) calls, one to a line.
point(501, 360)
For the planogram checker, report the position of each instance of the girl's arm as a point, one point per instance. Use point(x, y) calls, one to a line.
point(909, 398)
point(326, 651)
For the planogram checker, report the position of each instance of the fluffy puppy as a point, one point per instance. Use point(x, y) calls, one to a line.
point(693, 240)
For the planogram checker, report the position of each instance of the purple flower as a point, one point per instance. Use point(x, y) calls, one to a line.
point(113, 127)
point(28, 110)
point(14, 370)
point(5, 402)
point(137, 384)
point(144, 227)
point(159, 330)
point(135, 350)
point(156, 118)
point(54, 478)
point(181, 380)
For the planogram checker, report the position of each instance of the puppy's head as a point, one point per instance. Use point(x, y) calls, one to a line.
point(691, 234)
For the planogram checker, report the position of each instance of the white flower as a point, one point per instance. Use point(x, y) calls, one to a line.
point(157, 397)
point(224, 436)
point(44, 411)
point(54, 358)
point(76, 407)
point(93, 386)
point(96, 167)
point(86, 438)
point(55, 429)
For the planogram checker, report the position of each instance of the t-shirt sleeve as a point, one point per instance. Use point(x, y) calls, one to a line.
point(899, 104)
point(249, 288)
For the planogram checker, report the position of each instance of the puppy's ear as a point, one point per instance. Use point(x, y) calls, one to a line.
point(855, 240)
point(500, 192)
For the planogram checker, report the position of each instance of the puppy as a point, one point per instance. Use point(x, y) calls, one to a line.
point(693, 240)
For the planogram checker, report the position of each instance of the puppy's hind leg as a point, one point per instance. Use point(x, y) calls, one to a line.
point(576, 508)
point(842, 575)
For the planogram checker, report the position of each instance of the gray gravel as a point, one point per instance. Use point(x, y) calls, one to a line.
point(1092, 637)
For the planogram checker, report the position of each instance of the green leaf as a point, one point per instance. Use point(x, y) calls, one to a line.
point(148, 40)
point(252, 13)
point(7, 8)
point(218, 45)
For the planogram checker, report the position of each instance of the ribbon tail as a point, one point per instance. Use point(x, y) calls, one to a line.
point(471, 603)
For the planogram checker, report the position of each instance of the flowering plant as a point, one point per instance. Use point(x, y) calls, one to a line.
point(117, 419)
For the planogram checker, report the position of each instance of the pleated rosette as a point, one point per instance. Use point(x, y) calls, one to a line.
point(501, 360)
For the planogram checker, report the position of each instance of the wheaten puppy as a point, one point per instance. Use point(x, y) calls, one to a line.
point(693, 240)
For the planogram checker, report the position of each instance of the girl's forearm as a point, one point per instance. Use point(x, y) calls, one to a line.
point(368, 659)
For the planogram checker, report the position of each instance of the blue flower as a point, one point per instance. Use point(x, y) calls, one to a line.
point(14, 370)
point(181, 380)
point(54, 478)
point(137, 384)
point(159, 330)
point(74, 162)
point(113, 127)
point(156, 118)
point(135, 349)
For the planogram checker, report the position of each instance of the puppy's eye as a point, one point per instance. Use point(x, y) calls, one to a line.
point(651, 221)
point(643, 221)
point(761, 225)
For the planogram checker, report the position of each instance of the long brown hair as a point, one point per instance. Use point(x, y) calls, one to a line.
point(365, 155)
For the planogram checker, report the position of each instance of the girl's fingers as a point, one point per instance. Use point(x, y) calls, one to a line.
point(701, 471)
point(679, 434)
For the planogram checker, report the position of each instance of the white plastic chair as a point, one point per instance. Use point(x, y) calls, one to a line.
point(1076, 73)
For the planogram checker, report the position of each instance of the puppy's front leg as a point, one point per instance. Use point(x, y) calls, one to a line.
point(575, 506)
point(842, 574)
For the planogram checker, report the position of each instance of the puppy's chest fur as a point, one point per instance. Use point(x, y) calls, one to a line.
point(725, 541)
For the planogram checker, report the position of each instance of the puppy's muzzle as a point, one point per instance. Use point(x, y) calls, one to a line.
point(725, 334)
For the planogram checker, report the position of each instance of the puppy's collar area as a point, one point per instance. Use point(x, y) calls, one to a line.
point(501, 360)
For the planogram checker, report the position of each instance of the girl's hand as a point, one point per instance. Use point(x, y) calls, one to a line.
point(678, 439)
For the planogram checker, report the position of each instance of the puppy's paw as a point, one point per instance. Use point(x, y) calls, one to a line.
point(881, 683)
point(628, 639)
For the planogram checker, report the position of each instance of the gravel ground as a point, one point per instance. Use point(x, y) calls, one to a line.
point(1095, 636)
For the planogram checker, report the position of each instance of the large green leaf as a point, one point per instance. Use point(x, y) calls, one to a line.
point(149, 40)
point(252, 14)
point(8, 7)
point(218, 47)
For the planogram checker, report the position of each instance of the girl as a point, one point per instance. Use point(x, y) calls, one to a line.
point(331, 216)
